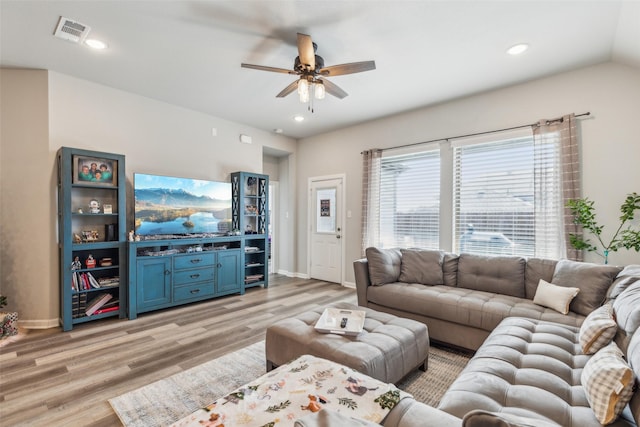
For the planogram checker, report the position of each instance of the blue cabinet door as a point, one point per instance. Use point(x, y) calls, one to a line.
point(229, 277)
point(153, 280)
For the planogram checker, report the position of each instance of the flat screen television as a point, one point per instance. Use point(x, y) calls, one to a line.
point(171, 206)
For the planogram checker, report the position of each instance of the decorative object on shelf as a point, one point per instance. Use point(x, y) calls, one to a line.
point(94, 206)
point(90, 262)
point(90, 236)
point(77, 238)
point(76, 264)
point(80, 211)
point(131, 236)
point(584, 215)
point(94, 170)
point(107, 209)
point(106, 262)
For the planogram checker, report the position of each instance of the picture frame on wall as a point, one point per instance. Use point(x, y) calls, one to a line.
point(95, 171)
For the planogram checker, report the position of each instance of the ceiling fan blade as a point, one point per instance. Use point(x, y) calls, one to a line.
point(306, 53)
point(264, 68)
point(333, 89)
point(350, 68)
point(287, 90)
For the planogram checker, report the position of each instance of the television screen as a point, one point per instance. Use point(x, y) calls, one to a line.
point(177, 206)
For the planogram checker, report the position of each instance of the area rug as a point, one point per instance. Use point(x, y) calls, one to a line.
point(166, 401)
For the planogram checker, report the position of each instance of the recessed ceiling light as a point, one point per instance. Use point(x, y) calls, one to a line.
point(298, 118)
point(278, 130)
point(517, 49)
point(96, 44)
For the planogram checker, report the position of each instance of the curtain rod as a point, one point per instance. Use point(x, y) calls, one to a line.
point(478, 133)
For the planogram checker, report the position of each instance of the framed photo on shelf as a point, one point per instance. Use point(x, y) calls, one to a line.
point(94, 170)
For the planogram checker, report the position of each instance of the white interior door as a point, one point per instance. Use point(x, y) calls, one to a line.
point(325, 237)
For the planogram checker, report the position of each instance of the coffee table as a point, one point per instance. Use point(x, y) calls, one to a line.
point(388, 348)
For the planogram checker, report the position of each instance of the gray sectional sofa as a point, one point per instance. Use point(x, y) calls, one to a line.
point(529, 359)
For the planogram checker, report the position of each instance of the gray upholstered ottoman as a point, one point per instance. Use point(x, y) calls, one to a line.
point(387, 349)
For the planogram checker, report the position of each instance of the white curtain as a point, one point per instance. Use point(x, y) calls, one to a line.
point(370, 197)
point(556, 162)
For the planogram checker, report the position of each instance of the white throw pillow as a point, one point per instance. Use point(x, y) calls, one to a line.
point(608, 383)
point(554, 296)
point(598, 329)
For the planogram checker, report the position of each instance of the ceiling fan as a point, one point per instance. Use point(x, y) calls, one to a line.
point(310, 67)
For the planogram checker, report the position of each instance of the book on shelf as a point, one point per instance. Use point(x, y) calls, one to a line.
point(253, 278)
point(97, 303)
point(107, 310)
point(107, 282)
point(78, 305)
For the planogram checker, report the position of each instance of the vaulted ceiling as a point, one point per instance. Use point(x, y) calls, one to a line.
point(188, 53)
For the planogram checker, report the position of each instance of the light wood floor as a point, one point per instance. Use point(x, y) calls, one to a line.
point(55, 378)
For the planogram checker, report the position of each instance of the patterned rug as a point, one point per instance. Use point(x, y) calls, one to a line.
point(166, 401)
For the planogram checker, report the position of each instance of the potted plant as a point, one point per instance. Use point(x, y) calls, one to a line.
point(584, 215)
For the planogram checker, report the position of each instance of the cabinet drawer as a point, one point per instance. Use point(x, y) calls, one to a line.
point(186, 277)
point(194, 260)
point(183, 293)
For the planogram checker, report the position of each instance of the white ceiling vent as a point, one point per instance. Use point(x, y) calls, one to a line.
point(71, 30)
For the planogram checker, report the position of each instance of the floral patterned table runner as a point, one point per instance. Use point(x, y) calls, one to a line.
point(296, 389)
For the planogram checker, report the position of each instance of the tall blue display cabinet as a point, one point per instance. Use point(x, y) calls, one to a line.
point(250, 217)
point(92, 236)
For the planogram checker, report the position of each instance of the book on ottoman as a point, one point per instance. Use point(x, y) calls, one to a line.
point(340, 321)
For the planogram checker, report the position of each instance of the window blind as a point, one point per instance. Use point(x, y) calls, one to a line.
point(501, 206)
point(409, 200)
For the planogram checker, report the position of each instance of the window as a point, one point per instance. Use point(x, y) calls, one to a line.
point(501, 195)
point(410, 200)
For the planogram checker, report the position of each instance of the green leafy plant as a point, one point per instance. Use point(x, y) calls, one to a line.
point(584, 215)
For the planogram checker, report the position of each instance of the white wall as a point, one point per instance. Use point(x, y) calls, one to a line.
point(610, 145)
point(155, 137)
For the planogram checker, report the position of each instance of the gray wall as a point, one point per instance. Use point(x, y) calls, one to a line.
point(42, 111)
point(610, 145)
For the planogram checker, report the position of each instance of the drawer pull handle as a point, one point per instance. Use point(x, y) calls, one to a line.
point(195, 260)
point(195, 276)
point(194, 291)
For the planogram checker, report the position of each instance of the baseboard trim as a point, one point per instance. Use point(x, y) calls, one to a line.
point(351, 285)
point(38, 324)
point(291, 274)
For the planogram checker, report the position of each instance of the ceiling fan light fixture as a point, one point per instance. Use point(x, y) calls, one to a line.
point(303, 89)
point(318, 90)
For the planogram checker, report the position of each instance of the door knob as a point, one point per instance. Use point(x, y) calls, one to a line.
point(337, 236)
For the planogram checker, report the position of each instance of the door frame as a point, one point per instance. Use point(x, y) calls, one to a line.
point(310, 218)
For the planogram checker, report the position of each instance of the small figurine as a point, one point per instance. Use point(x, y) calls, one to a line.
point(137, 238)
point(131, 236)
point(90, 262)
point(76, 264)
point(94, 206)
point(77, 238)
point(80, 210)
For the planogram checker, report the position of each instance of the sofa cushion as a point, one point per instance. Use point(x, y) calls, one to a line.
point(627, 313)
point(421, 266)
point(592, 279)
point(537, 268)
point(502, 275)
point(384, 265)
point(628, 276)
point(477, 309)
point(598, 329)
point(554, 296)
point(480, 418)
point(608, 382)
point(529, 368)
point(450, 269)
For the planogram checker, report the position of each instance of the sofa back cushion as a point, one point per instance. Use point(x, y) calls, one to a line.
point(537, 269)
point(421, 266)
point(593, 280)
point(450, 269)
point(627, 313)
point(628, 276)
point(500, 275)
point(384, 265)
point(633, 357)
